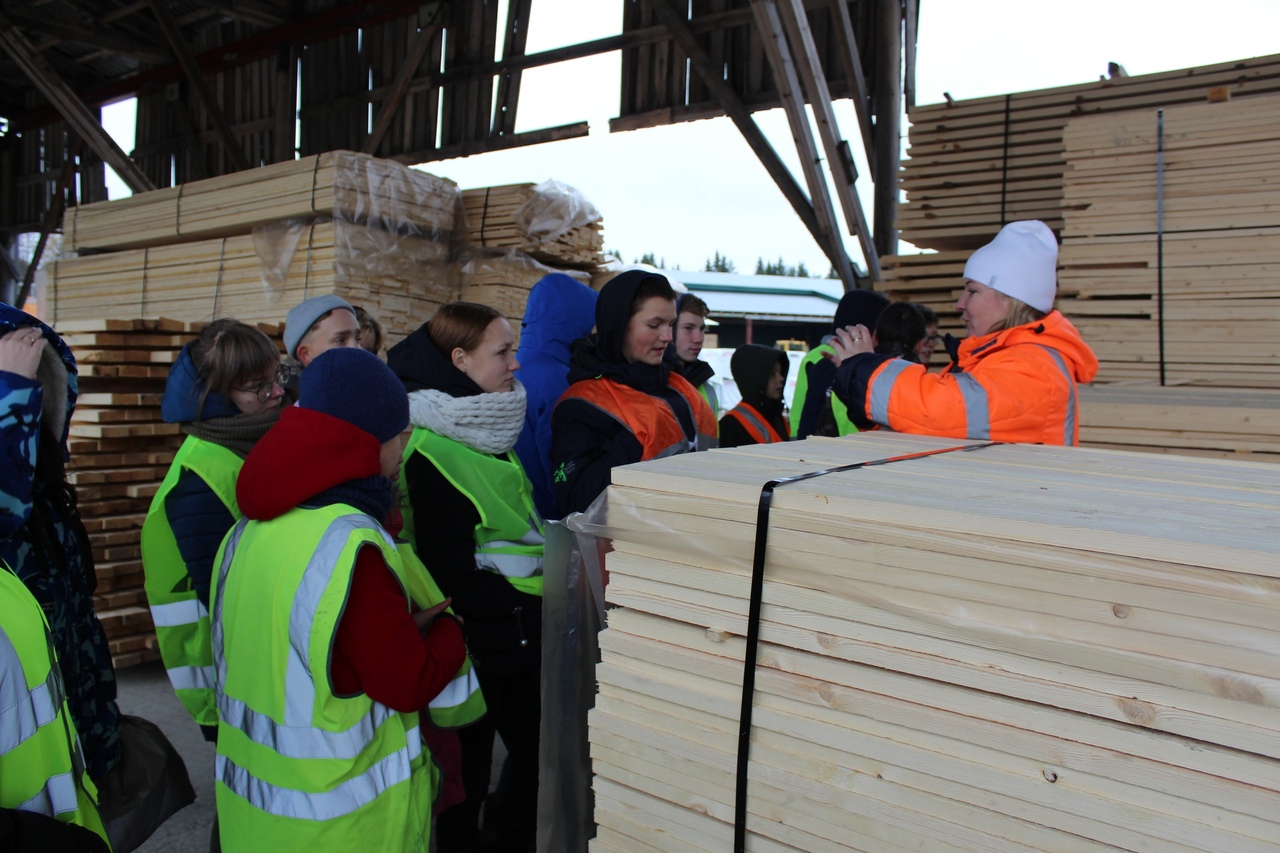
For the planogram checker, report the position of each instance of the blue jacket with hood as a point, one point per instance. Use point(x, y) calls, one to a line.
point(560, 310)
point(44, 542)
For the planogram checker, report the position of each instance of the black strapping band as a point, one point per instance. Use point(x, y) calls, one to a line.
point(753, 618)
point(1004, 165)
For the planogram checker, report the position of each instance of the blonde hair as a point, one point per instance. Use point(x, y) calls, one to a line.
point(1020, 313)
point(228, 353)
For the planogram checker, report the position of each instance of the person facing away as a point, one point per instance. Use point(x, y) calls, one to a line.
point(1017, 371)
point(624, 403)
point(47, 800)
point(816, 373)
point(319, 324)
point(322, 665)
point(686, 346)
point(225, 390)
point(760, 373)
point(471, 516)
point(560, 310)
point(42, 538)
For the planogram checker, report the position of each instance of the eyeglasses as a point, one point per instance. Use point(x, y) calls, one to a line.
point(263, 390)
point(933, 339)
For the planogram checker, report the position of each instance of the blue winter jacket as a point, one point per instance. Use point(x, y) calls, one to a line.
point(560, 310)
point(44, 542)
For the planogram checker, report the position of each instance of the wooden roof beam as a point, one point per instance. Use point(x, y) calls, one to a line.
point(103, 37)
point(198, 82)
point(508, 98)
point(852, 61)
point(72, 108)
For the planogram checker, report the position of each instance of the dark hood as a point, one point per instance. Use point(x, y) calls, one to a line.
point(697, 372)
point(860, 308)
point(421, 366)
point(600, 354)
point(57, 372)
point(182, 390)
point(559, 311)
point(752, 365)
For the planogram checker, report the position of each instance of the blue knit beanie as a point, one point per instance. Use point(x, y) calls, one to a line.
point(354, 385)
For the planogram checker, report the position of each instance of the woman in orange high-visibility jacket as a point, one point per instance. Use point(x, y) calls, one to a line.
point(1014, 377)
point(624, 403)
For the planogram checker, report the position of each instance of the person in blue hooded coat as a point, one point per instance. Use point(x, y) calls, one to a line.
point(560, 310)
point(42, 538)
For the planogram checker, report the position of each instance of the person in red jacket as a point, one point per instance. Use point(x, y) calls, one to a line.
point(341, 444)
point(1015, 375)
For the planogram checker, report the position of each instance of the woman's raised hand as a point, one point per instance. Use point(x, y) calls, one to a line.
point(848, 342)
point(20, 351)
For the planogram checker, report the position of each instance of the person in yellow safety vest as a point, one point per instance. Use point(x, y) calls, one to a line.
point(760, 373)
point(469, 511)
point(225, 390)
point(686, 345)
point(624, 403)
point(322, 665)
point(816, 372)
point(47, 802)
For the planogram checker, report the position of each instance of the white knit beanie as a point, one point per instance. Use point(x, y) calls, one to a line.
point(1020, 262)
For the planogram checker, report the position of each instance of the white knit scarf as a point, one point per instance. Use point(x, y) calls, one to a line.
point(489, 423)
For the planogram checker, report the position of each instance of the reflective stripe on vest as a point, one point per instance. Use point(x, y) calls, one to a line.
point(759, 428)
point(651, 419)
point(977, 409)
point(457, 691)
point(41, 766)
point(1069, 426)
point(882, 388)
point(182, 622)
point(297, 768)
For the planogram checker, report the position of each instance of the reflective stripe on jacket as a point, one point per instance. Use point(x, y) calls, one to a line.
point(756, 424)
point(1019, 384)
point(509, 539)
point(182, 622)
point(649, 418)
point(299, 768)
point(41, 765)
point(838, 409)
point(460, 703)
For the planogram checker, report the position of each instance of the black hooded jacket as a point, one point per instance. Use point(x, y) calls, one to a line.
point(586, 443)
point(496, 616)
point(752, 365)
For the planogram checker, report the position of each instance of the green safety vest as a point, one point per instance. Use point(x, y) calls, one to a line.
point(509, 538)
point(182, 622)
point(708, 392)
point(298, 767)
point(41, 766)
point(461, 703)
point(838, 408)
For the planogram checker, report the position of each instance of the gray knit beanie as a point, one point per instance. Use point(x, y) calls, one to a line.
point(304, 315)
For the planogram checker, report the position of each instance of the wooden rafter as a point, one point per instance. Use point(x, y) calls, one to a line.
point(852, 61)
point(517, 33)
point(198, 82)
point(842, 169)
point(105, 38)
point(395, 96)
point(72, 108)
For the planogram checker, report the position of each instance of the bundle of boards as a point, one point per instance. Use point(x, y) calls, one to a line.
point(494, 221)
point(1010, 648)
point(976, 164)
point(120, 452)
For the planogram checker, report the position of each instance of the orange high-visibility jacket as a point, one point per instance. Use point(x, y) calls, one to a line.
point(1019, 384)
point(650, 419)
point(756, 424)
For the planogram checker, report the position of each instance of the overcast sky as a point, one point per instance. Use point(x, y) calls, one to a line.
point(688, 190)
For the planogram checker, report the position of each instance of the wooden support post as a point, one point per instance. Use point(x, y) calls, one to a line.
point(838, 159)
point(851, 58)
point(198, 82)
point(788, 82)
point(504, 110)
point(910, 29)
point(395, 96)
point(70, 106)
point(52, 215)
point(195, 152)
point(888, 140)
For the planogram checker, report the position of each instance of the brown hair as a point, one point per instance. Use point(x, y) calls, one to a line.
point(370, 327)
point(654, 285)
point(228, 353)
point(690, 304)
point(460, 324)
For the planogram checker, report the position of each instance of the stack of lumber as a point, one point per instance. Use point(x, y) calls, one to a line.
point(1221, 242)
point(120, 452)
point(503, 280)
point(339, 184)
point(978, 163)
point(934, 279)
point(1018, 648)
point(401, 281)
point(1192, 421)
point(492, 222)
